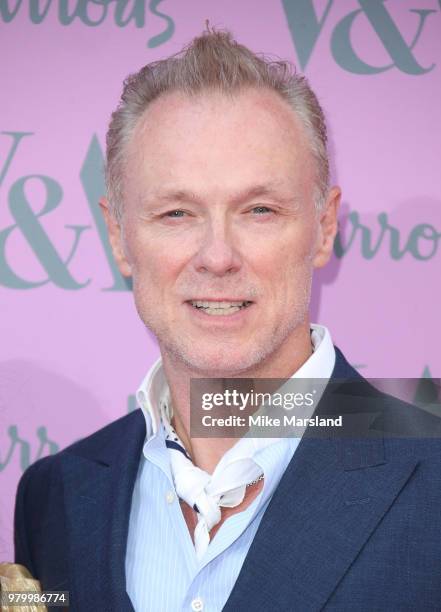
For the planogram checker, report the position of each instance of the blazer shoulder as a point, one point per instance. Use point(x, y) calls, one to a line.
point(98, 444)
point(40, 489)
point(130, 427)
point(407, 429)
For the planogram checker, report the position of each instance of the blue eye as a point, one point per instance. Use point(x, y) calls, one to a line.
point(175, 214)
point(261, 209)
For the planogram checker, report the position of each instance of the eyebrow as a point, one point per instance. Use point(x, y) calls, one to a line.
point(264, 190)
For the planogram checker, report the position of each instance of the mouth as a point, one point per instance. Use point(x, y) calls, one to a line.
point(219, 308)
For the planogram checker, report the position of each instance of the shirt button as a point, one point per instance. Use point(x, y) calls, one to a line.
point(170, 497)
point(197, 604)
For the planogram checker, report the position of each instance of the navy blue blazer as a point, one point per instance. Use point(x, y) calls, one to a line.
point(354, 524)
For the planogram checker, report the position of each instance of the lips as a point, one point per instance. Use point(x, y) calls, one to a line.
point(219, 307)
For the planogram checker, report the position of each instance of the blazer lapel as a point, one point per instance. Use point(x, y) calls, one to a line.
point(98, 487)
point(317, 522)
point(330, 499)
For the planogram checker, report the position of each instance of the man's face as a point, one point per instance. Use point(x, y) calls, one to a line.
point(219, 231)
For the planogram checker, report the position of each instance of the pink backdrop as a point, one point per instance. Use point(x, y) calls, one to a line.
point(72, 348)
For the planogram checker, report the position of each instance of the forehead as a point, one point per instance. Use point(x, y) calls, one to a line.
point(219, 138)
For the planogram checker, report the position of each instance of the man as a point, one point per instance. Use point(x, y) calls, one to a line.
point(219, 209)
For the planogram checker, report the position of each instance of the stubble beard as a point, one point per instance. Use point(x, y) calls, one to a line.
point(221, 361)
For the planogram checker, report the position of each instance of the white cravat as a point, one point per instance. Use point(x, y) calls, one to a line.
point(207, 493)
point(227, 485)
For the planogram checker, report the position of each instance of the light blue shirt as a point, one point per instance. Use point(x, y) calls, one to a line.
point(162, 570)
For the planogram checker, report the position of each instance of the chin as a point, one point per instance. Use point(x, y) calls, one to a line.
point(218, 361)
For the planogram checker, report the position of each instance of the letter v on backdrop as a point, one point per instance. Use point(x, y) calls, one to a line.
point(306, 27)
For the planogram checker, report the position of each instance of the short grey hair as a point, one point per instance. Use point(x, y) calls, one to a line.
point(212, 61)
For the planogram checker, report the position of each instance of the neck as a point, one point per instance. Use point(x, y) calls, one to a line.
point(207, 452)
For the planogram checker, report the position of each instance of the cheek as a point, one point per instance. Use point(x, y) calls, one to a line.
point(154, 262)
point(281, 257)
point(285, 269)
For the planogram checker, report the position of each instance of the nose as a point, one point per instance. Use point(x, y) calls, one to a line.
point(217, 253)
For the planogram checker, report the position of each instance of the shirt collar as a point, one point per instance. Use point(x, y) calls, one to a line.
point(153, 394)
point(322, 361)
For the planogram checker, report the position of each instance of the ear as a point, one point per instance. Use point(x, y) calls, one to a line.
point(328, 226)
point(114, 232)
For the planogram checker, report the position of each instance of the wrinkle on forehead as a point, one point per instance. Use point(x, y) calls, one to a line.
point(186, 116)
point(168, 110)
point(272, 189)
